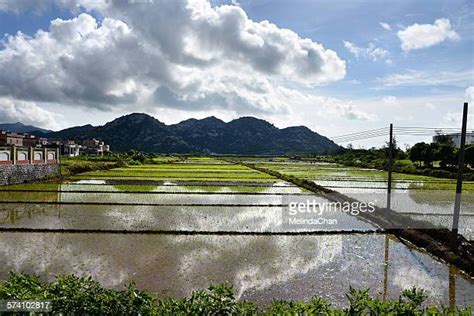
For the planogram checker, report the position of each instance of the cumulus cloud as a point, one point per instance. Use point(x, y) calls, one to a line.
point(419, 36)
point(12, 111)
point(371, 52)
point(18, 6)
point(78, 62)
point(178, 54)
point(386, 26)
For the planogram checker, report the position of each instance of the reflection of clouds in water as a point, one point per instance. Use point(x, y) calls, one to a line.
point(199, 219)
point(43, 254)
point(284, 259)
point(407, 277)
point(175, 265)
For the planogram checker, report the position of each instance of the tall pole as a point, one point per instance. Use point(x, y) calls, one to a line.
point(390, 157)
point(385, 268)
point(462, 147)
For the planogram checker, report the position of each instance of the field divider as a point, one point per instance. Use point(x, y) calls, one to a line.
point(171, 177)
point(142, 204)
point(316, 178)
point(385, 189)
point(187, 232)
point(434, 214)
point(161, 192)
point(188, 183)
point(186, 171)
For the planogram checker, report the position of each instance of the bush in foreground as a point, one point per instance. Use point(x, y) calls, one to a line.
point(73, 295)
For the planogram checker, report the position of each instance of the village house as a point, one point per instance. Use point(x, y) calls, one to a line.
point(9, 139)
point(66, 148)
point(95, 147)
point(23, 148)
point(70, 148)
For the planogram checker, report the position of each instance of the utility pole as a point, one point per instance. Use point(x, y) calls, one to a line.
point(462, 148)
point(390, 157)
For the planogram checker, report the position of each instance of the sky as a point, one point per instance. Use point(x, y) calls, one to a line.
point(337, 67)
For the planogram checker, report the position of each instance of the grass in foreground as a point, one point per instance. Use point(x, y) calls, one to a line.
point(73, 295)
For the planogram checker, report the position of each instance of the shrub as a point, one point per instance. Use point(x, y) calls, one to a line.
point(73, 295)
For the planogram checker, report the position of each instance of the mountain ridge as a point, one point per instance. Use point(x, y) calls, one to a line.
point(19, 127)
point(245, 135)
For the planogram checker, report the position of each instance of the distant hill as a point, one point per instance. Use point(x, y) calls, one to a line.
point(22, 128)
point(246, 135)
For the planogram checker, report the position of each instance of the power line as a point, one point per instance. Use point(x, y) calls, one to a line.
point(362, 132)
point(398, 131)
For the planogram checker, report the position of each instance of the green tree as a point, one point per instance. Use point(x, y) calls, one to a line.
point(417, 152)
point(443, 139)
point(447, 155)
point(430, 154)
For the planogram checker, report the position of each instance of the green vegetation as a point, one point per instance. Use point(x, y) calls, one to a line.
point(323, 172)
point(80, 164)
point(434, 160)
point(73, 295)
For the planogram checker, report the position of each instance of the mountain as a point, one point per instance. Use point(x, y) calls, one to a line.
point(246, 135)
point(22, 128)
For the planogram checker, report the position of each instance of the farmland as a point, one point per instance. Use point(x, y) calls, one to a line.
point(175, 226)
point(420, 197)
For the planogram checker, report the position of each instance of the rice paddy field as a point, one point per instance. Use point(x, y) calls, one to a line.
point(422, 198)
point(181, 225)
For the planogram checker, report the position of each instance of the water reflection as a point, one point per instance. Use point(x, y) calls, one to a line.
point(261, 268)
point(140, 217)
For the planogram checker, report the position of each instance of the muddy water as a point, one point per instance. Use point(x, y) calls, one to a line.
point(261, 268)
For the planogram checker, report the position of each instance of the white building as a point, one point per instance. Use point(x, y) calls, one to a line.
point(71, 149)
point(456, 138)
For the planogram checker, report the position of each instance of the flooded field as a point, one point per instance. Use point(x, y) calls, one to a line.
point(155, 204)
point(423, 198)
point(261, 268)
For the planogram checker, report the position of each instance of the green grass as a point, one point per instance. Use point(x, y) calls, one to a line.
point(70, 166)
point(29, 196)
point(32, 186)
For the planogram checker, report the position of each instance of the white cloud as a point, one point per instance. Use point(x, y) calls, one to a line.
point(455, 119)
point(470, 93)
point(371, 52)
point(325, 107)
point(386, 26)
point(12, 111)
point(418, 36)
point(421, 78)
point(176, 54)
point(19, 6)
point(390, 100)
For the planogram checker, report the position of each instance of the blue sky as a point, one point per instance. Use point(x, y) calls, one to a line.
point(406, 62)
